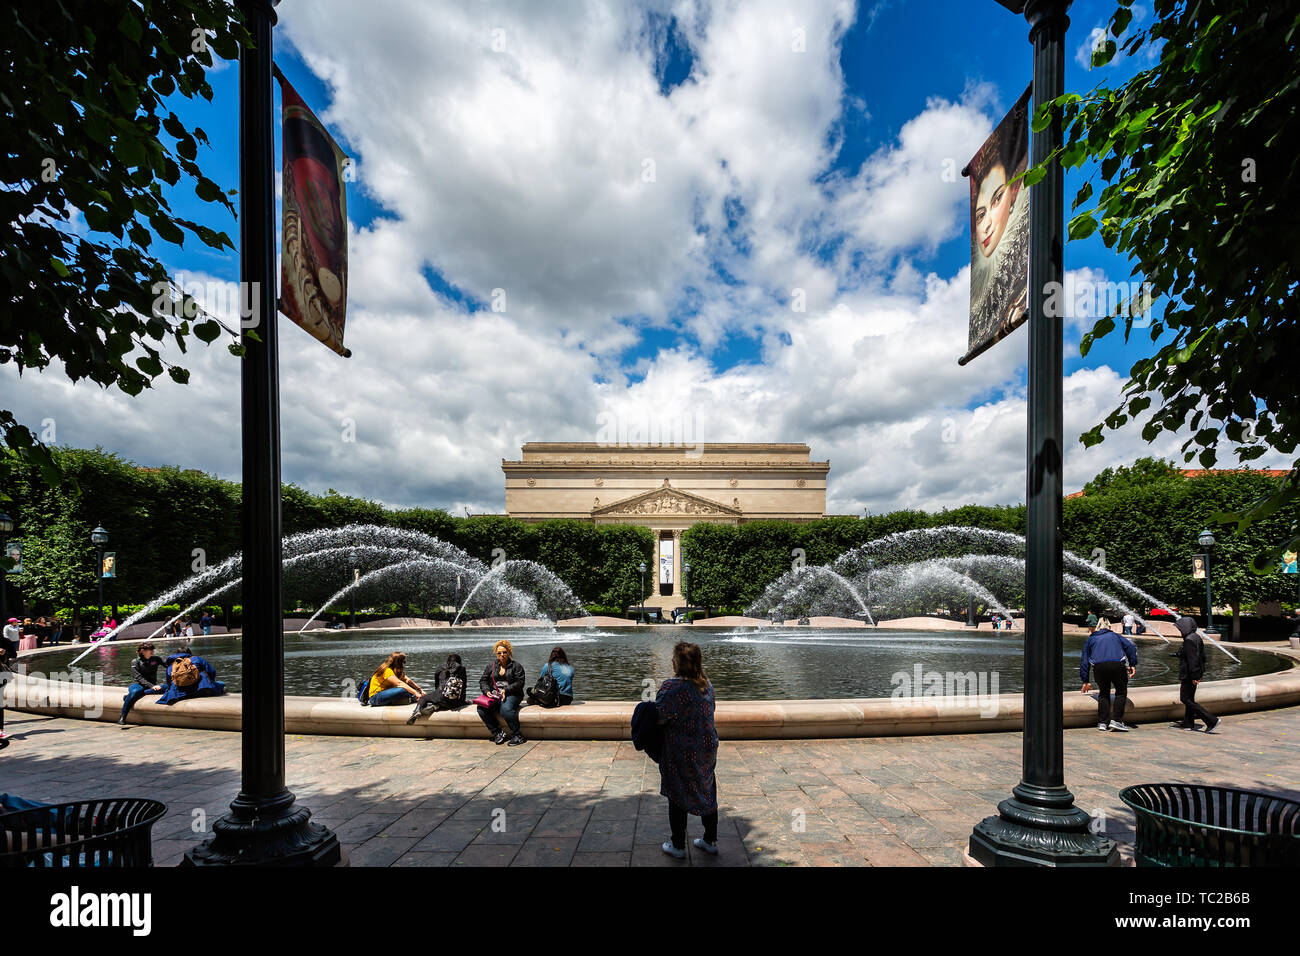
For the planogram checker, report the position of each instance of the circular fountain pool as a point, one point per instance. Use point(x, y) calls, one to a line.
point(743, 663)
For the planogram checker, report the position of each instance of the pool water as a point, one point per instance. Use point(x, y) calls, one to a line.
point(743, 663)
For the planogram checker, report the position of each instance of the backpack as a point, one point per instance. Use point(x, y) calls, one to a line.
point(185, 672)
point(453, 691)
point(547, 691)
point(363, 695)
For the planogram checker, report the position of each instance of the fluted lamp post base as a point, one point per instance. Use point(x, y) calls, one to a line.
point(278, 834)
point(1040, 827)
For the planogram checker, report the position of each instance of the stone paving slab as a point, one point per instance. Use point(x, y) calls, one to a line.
point(889, 801)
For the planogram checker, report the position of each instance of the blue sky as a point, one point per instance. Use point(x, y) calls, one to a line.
point(504, 148)
point(891, 46)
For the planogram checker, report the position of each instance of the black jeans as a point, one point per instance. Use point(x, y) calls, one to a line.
point(677, 821)
point(1108, 673)
point(1191, 709)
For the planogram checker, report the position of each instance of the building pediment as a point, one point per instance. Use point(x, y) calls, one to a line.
point(667, 501)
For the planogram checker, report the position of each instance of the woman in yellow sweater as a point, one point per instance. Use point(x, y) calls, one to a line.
point(390, 685)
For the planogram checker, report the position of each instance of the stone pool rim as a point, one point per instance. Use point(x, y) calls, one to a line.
point(611, 720)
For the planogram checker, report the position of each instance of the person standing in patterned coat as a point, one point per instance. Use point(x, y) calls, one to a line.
point(690, 751)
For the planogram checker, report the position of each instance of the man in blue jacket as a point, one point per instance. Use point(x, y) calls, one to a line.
point(1113, 660)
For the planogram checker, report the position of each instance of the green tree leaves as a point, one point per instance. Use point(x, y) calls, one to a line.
point(1201, 158)
point(85, 129)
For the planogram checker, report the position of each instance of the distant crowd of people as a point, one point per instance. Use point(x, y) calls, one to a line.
point(28, 634)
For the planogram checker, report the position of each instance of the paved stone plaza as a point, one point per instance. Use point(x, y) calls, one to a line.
point(890, 801)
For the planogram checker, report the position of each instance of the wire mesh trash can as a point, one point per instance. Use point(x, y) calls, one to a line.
point(111, 832)
point(1181, 824)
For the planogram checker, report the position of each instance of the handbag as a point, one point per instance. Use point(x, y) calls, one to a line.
point(483, 700)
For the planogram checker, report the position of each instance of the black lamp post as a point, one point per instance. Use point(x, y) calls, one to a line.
point(352, 560)
point(641, 597)
point(264, 826)
point(1206, 541)
point(6, 526)
point(99, 537)
point(1039, 825)
point(686, 587)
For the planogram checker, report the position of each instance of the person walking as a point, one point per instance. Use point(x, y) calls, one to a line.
point(1129, 621)
point(690, 751)
point(502, 691)
point(144, 678)
point(1191, 668)
point(205, 622)
point(1113, 660)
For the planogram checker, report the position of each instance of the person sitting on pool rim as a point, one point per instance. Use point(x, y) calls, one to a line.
point(144, 677)
point(206, 684)
point(389, 684)
point(449, 683)
point(503, 683)
point(558, 667)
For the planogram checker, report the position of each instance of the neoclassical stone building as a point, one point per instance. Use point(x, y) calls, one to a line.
point(667, 488)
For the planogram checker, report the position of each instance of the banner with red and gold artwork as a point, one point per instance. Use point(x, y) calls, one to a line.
point(999, 233)
point(314, 235)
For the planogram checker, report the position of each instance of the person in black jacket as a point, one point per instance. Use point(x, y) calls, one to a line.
point(1191, 667)
point(503, 681)
point(144, 678)
point(449, 690)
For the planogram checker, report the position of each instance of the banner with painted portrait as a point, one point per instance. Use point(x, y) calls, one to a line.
point(666, 561)
point(999, 232)
point(314, 223)
point(14, 551)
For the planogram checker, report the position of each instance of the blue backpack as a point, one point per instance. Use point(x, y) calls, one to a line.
point(363, 694)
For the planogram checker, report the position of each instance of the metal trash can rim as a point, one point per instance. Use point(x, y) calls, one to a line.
point(1126, 796)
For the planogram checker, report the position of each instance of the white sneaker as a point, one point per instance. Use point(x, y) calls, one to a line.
point(1119, 725)
point(1102, 727)
point(673, 851)
point(710, 848)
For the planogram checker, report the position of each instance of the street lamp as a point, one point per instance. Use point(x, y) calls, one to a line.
point(1039, 824)
point(6, 525)
point(686, 587)
point(1206, 541)
point(641, 596)
point(352, 559)
point(265, 824)
point(100, 538)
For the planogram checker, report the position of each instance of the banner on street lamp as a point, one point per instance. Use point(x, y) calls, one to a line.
point(314, 221)
point(999, 232)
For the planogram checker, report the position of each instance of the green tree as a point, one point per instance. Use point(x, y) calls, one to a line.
point(1141, 472)
point(1200, 155)
point(87, 129)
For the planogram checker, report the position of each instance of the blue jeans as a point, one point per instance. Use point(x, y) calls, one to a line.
point(390, 696)
point(134, 693)
point(509, 709)
point(207, 628)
